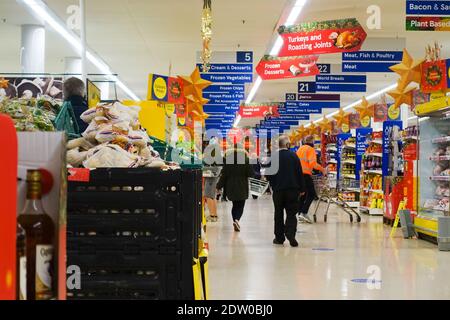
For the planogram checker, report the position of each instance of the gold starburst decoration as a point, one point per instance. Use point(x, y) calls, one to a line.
point(341, 118)
point(194, 84)
point(408, 70)
point(325, 125)
point(4, 83)
point(402, 94)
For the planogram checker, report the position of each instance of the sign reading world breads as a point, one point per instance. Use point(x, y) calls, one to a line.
point(166, 89)
point(332, 36)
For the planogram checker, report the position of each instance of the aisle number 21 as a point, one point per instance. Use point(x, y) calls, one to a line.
point(309, 87)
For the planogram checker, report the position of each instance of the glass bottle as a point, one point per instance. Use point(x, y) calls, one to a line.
point(39, 229)
point(21, 264)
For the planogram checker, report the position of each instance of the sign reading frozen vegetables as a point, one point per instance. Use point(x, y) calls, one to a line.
point(332, 36)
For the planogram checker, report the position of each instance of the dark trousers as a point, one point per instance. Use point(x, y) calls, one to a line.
point(309, 196)
point(285, 200)
point(238, 209)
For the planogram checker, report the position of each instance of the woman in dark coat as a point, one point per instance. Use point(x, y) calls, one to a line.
point(234, 179)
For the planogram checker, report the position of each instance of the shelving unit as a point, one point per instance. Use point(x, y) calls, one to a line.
point(348, 183)
point(434, 170)
point(372, 195)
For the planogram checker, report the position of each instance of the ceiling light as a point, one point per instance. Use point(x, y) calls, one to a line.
point(254, 89)
point(292, 18)
point(43, 12)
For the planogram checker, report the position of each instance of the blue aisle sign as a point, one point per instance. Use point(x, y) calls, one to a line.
point(229, 67)
point(387, 156)
point(312, 104)
point(295, 116)
point(218, 88)
point(361, 147)
point(340, 79)
point(305, 110)
point(370, 61)
point(341, 138)
point(324, 68)
point(438, 8)
point(306, 87)
point(244, 56)
point(448, 72)
point(319, 97)
point(291, 96)
point(232, 96)
point(332, 87)
point(228, 78)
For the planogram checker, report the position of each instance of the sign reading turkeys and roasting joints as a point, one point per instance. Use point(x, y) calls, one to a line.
point(271, 68)
point(323, 37)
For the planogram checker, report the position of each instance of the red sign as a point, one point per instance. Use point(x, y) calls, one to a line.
point(380, 111)
point(255, 111)
point(434, 76)
point(354, 121)
point(8, 225)
point(332, 36)
point(79, 174)
point(271, 68)
point(175, 91)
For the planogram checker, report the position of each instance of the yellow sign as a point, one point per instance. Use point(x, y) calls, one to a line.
point(432, 106)
point(170, 109)
point(365, 122)
point(393, 112)
point(93, 93)
point(345, 127)
point(160, 87)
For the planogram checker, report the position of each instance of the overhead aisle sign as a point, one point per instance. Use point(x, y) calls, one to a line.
point(229, 71)
point(427, 15)
point(333, 36)
point(370, 61)
point(272, 68)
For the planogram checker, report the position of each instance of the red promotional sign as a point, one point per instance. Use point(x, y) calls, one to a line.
point(175, 91)
point(271, 68)
point(79, 174)
point(324, 37)
point(434, 76)
point(254, 111)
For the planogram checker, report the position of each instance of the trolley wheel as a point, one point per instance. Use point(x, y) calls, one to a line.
point(325, 218)
point(358, 219)
point(315, 218)
point(351, 219)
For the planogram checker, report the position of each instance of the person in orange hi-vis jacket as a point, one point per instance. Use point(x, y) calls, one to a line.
point(308, 159)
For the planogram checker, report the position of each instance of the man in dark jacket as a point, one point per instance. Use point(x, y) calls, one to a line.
point(287, 185)
point(74, 92)
point(234, 180)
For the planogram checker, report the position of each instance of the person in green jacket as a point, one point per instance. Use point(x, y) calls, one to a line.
point(234, 180)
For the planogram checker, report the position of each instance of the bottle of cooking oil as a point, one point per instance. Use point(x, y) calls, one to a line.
point(40, 231)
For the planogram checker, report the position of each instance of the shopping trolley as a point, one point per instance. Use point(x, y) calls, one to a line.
point(326, 191)
point(257, 187)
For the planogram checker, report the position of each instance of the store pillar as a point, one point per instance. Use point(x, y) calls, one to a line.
point(72, 67)
point(32, 49)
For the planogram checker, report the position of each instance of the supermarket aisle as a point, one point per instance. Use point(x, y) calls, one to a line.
point(247, 266)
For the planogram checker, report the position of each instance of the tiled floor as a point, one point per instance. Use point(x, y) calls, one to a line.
point(247, 265)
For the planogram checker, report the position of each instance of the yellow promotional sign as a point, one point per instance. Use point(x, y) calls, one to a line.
point(393, 113)
point(345, 128)
point(365, 122)
point(432, 106)
point(93, 94)
point(170, 109)
point(159, 88)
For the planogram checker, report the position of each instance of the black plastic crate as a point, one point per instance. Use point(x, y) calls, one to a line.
point(116, 275)
point(126, 221)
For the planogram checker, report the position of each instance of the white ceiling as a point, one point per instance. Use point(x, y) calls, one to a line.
point(137, 37)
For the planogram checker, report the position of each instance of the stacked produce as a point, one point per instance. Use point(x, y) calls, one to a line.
point(114, 138)
point(32, 114)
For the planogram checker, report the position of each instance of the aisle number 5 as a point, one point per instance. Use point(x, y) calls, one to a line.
point(244, 56)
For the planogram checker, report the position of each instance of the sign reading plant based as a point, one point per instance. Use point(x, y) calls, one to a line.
point(272, 68)
point(323, 37)
point(370, 61)
point(427, 15)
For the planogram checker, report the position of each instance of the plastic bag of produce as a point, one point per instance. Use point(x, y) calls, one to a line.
point(89, 115)
point(75, 157)
point(110, 156)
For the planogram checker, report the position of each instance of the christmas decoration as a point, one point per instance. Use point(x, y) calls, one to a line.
point(302, 132)
point(365, 109)
point(401, 94)
point(206, 34)
point(341, 118)
point(325, 125)
point(194, 84)
point(409, 70)
point(195, 105)
point(312, 129)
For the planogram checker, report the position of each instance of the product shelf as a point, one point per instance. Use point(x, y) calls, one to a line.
point(441, 139)
point(349, 146)
point(440, 178)
point(440, 158)
point(374, 190)
point(375, 154)
point(373, 171)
